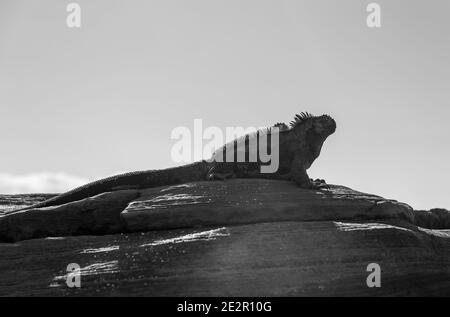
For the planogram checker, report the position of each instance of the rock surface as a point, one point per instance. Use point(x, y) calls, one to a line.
point(436, 218)
point(274, 259)
point(258, 238)
point(253, 201)
point(96, 215)
point(239, 201)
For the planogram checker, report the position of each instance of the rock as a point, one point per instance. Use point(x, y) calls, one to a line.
point(233, 202)
point(388, 209)
point(96, 215)
point(323, 258)
point(436, 218)
point(243, 201)
point(259, 238)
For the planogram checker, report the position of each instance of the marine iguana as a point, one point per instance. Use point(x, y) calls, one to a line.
point(299, 145)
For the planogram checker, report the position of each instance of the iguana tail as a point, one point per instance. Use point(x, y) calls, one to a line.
point(133, 180)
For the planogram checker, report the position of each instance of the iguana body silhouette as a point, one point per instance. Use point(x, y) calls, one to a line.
point(299, 145)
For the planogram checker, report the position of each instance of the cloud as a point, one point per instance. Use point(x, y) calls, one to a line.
point(44, 182)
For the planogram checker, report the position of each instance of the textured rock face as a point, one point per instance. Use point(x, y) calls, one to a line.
point(253, 201)
point(95, 215)
point(259, 238)
point(238, 201)
point(434, 219)
point(323, 258)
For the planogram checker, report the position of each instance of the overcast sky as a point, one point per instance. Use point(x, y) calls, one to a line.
point(78, 104)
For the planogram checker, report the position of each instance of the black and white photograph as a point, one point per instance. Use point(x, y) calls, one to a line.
point(225, 154)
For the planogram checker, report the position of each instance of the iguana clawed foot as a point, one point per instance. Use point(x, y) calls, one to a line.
point(319, 184)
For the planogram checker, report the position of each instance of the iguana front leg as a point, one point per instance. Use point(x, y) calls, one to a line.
point(301, 178)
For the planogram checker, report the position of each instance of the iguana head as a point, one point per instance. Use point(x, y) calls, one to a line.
point(322, 126)
point(311, 132)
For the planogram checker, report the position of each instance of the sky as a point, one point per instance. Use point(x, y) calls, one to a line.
point(77, 104)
